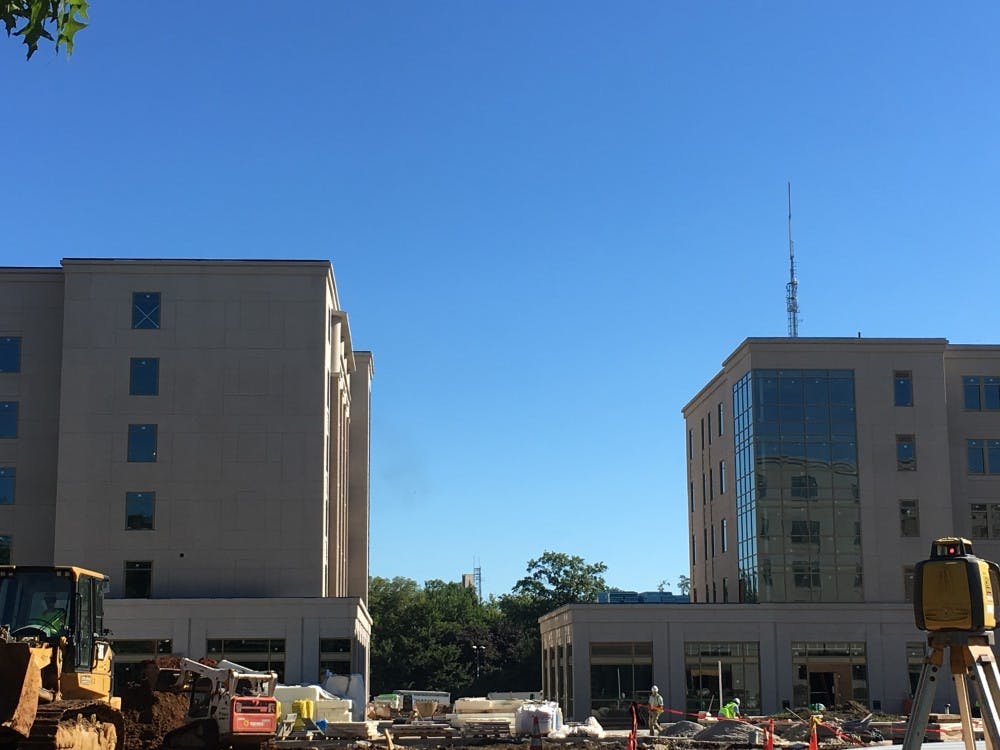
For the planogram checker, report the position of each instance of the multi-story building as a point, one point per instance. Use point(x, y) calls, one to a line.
point(819, 472)
point(199, 431)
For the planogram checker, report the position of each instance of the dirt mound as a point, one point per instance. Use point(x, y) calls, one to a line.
point(726, 730)
point(150, 715)
point(682, 729)
point(801, 732)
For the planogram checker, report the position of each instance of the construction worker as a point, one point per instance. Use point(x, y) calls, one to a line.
point(655, 709)
point(52, 619)
point(731, 710)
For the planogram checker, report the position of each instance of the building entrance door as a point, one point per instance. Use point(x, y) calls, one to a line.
point(824, 688)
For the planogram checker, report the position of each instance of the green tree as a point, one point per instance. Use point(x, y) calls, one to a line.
point(684, 585)
point(32, 19)
point(422, 638)
point(553, 580)
point(442, 637)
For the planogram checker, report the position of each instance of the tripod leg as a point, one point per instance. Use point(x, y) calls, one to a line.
point(962, 691)
point(988, 687)
point(916, 725)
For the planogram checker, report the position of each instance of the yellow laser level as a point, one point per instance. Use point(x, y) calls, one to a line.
point(953, 598)
point(954, 590)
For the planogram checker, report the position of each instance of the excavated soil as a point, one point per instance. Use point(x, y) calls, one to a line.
point(150, 715)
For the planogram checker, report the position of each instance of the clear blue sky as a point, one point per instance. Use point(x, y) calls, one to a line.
point(550, 221)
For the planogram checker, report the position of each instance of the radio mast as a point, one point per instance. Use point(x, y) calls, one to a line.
point(792, 287)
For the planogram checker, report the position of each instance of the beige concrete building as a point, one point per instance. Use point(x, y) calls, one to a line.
point(199, 431)
point(819, 472)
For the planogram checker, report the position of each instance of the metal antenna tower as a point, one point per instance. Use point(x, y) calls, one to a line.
point(792, 287)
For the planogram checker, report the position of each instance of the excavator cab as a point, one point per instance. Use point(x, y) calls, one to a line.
point(54, 650)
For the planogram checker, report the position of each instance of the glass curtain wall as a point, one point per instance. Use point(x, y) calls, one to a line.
point(798, 504)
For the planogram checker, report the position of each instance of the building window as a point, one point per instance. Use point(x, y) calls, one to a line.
point(806, 575)
point(7, 474)
point(722, 477)
point(724, 533)
point(144, 377)
point(619, 669)
point(906, 453)
point(915, 658)
point(691, 495)
point(6, 550)
point(909, 518)
point(733, 666)
point(711, 485)
point(10, 354)
point(138, 579)
point(704, 543)
point(139, 510)
point(713, 541)
point(262, 654)
point(690, 446)
point(710, 428)
point(146, 310)
point(720, 413)
point(704, 489)
point(141, 443)
point(725, 590)
point(981, 392)
point(8, 419)
point(903, 389)
point(694, 552)
point(334, 656)
point(909, 575)
point(984, 456)
point(804, 486)
point(805, 532)
point(703, 433)
point(985, 520)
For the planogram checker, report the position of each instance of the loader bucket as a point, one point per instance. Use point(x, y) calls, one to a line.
point(20, 682)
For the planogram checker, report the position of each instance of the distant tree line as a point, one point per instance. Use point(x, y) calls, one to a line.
point(442, 637)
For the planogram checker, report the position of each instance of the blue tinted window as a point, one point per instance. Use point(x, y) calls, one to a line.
point(144, 378)
point(139, 508)
point(8, 419)
point(903, 389)
point(145, 309)
point(141, 442)
point(977, 465)
point(5, 546)
point(10, 354)
point(993, 453)
point(991, 393)
point(906, 453)
point(970, 386)
point(6, 485)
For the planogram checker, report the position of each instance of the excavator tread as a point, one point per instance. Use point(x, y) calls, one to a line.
point(51, 715)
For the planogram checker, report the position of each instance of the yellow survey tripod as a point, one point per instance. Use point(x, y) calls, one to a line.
point(953, 599)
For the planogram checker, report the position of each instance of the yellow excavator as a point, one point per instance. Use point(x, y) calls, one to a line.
point(56, 661)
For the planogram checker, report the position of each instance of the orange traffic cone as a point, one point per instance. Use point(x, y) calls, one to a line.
point(536, 737)
point(813, 742)
point(769, 736)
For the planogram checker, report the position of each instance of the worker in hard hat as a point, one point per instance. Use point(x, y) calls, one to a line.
point(731, 710)
point(655, 709)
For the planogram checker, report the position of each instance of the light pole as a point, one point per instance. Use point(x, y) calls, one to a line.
point(479, 653)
